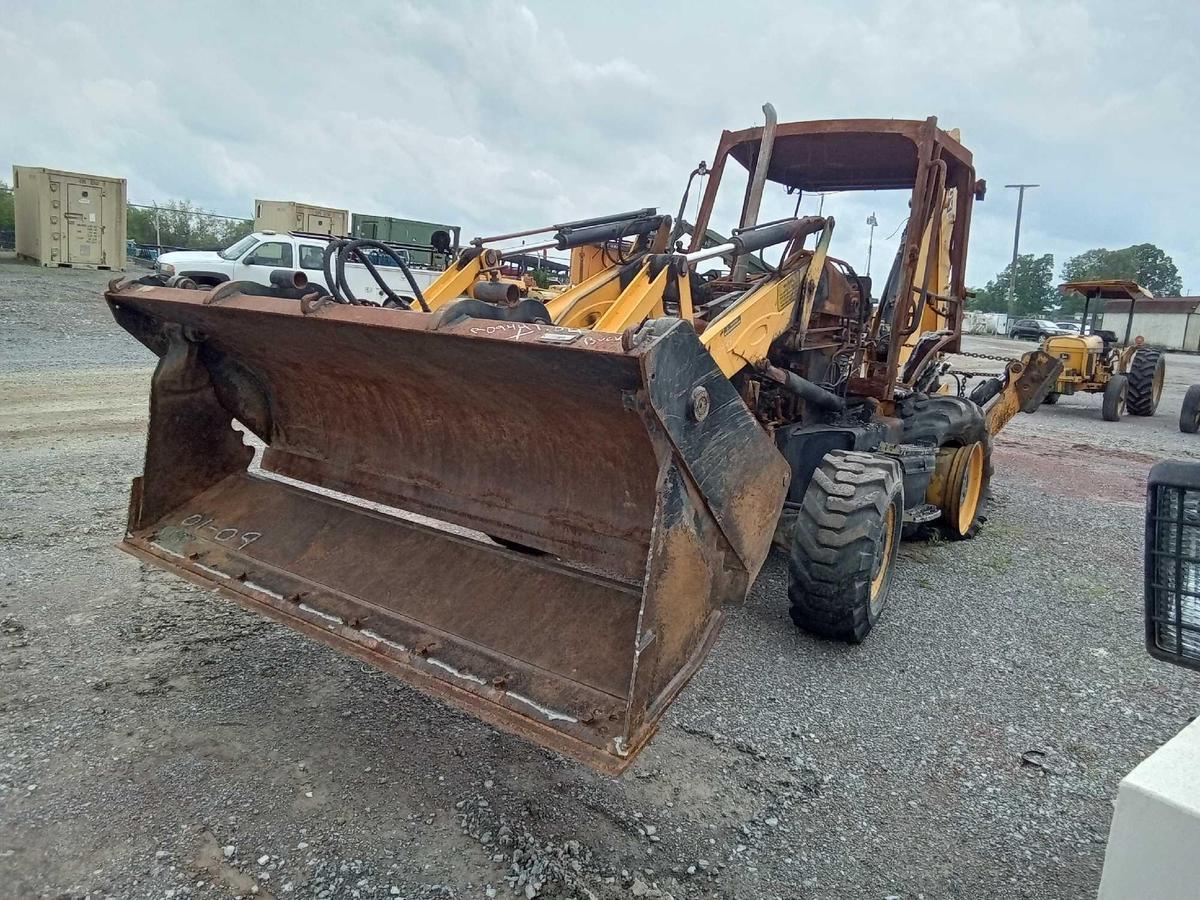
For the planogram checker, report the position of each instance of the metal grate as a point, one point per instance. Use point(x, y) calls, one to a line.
point(1173, 571)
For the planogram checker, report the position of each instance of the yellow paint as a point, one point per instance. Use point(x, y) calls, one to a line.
point(743, 333)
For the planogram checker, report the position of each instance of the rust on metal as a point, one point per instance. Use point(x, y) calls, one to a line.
point(872, 154)
point(1027, 382)
point(395, 443)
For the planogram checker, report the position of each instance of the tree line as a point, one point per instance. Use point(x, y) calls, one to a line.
point(183, 224)
point(1036, 290)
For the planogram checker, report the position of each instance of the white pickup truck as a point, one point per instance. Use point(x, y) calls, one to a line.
point(257, 255)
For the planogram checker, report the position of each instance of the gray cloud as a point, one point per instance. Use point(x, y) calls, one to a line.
point(500, 114)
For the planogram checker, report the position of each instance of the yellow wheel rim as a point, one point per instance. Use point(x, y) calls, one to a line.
point(1160, 373)
point(969, 460)
point(963, 490)
point(884, 563)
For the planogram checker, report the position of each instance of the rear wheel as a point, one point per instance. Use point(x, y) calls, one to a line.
point(949, 423)
point(1147, 372)
point(1189, 415)
point(844, 544)
point(1114, 398)
point(957, 489)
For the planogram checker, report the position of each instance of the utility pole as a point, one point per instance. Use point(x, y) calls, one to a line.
point(873, 222)
point(1012, 271)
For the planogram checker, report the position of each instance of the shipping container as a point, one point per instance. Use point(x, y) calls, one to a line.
point(410, 232)
point(287, 215)
point(69, 219)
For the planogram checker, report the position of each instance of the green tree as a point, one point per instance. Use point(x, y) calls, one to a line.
point(1034, 292)
point(180, 223)
point(1146, 264)
point(7, 221)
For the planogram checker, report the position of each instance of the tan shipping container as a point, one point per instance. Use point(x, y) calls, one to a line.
point(69, 219)
point(287, 215)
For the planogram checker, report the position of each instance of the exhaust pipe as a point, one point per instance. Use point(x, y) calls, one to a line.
point(754, 191)
point(287, 278)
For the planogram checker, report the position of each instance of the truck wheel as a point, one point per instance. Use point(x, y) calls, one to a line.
point(1114, 398)
point(1189, 415)
point(945, 422)
point(1147, 372)
point(844, 544)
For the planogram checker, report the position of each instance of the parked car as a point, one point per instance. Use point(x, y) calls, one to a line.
point(1035, 329)
point(257, 255)
point(1068, 327)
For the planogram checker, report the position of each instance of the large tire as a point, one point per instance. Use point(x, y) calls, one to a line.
point(940, 420)
point(844, 544)
point(1189, 415)
point(1147, 372)
point(1114, 398)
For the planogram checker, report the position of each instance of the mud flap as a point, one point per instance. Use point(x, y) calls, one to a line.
point(394, 444)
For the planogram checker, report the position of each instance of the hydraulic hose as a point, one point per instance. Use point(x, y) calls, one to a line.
point(355, 245)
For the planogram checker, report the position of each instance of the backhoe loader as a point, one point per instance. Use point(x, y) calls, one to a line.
point(535, 512)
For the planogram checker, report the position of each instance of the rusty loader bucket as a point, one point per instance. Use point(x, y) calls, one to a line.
point(634, 487)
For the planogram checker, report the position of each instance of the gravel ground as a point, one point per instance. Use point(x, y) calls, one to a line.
point(157, 741)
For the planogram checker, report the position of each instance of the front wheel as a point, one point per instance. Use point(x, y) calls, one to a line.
point(1114, 398)
point(1189, 415)
point(844, 544)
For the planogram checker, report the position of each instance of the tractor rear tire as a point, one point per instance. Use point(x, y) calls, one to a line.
point(1147, 372)
point(940, 420)
point(1114, 398)
point(844, 544)
point(1189, 415)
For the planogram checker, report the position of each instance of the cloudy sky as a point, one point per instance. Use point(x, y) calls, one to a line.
point(499, 114)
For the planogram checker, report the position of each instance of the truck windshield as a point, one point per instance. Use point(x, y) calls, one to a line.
point(235, 250)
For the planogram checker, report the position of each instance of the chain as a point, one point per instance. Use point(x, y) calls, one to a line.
point(985, 356)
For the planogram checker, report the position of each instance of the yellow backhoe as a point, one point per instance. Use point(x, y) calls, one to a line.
point(536, 511)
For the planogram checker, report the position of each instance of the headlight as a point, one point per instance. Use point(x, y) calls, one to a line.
point(165, 269)
point(1173, 563)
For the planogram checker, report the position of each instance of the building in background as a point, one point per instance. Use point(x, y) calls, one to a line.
point(69, 219)
point(1169, 322)
point(288, 215)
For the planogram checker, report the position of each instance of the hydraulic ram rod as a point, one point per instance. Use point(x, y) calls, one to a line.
point(581, 223)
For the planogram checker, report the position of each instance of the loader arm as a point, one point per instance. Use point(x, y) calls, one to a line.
point(588, 240)
point(646, 295)
point(580, 305)
point(456, 281)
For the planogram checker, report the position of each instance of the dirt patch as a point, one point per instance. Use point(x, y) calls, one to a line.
point(1066, 468)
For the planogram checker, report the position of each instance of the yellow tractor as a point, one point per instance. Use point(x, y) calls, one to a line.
point(535, 511)
point(1130, 375)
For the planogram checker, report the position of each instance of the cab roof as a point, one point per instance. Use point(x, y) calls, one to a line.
point(849, 154)
point(1107, 289)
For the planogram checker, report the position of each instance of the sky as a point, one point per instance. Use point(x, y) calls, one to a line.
point(500, 115)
